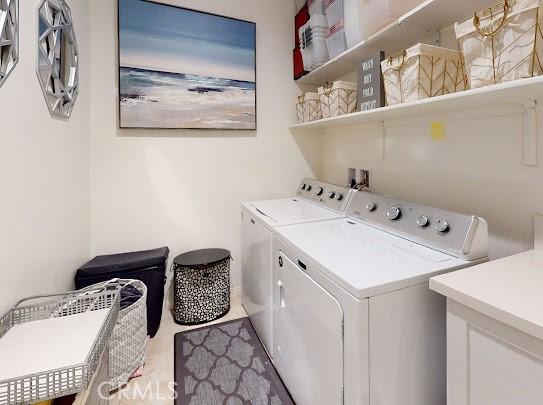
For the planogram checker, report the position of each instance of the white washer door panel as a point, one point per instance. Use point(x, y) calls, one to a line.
point(257, 277)
point(308, 337)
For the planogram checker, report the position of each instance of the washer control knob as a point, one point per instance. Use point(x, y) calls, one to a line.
point(442, 226)
point(308, 188)
point(423, 221)
point(320, 190)
point(303, 186)
point(394, 213)
point(339, 196)
point(371, 206)
point(331, 195)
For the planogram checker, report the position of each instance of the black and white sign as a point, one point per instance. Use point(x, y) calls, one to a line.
point(371, 91)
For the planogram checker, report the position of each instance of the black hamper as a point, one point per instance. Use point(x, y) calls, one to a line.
point(149, 266)
point(202, 286)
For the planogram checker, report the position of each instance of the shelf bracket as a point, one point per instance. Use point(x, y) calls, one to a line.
point(530, 128)
point(435, 35)
point(381, 140)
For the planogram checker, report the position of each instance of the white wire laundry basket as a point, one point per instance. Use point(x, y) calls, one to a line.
point(69, 380)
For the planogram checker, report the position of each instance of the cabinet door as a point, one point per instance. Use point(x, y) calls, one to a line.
point(489, 363)
point(257, 278)
point(308, 337)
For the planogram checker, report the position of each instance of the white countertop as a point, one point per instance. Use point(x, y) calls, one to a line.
point(509, 290)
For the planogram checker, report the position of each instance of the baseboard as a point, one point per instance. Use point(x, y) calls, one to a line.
point(538, 232)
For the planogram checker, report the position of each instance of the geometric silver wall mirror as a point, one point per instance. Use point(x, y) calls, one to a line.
point(58, 57)
point(9, 37)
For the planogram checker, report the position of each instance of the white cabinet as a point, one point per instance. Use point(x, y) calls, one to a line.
point(490, 363)
point(256, 276)
point(308, 336)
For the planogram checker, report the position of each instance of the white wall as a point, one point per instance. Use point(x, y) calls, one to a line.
point(183, 188)
point(44, 174)
point(476, 168)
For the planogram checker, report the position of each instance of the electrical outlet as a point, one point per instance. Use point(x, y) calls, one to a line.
point(358, 178)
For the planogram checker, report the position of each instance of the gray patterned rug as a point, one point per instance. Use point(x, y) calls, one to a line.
point(225, 364)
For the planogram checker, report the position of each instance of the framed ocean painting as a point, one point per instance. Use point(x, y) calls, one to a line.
point(181, 68)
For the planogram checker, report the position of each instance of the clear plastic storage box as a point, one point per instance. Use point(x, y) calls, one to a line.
point(313, 42)
point(335, 40)
point(334, 11)
point(352, 30)
point(316, 7)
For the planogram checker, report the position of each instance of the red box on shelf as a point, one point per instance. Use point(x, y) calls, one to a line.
point(298, 64)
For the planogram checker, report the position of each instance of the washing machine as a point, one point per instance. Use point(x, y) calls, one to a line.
point(313, 201)
point(354, 320)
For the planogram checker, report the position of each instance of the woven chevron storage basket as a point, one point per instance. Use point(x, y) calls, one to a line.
point(308, 107)
point(503, 43)
point(337, 98)
point(422, 71)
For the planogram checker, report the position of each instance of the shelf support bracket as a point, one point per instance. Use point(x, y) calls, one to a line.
point(530, 128)
point(381, 140)
point(434, 34)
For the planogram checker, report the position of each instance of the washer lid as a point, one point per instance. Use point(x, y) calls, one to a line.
point(292, 210)
point(363, 260)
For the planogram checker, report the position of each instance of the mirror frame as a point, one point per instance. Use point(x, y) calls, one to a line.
point(60, 97)
point(12, 58)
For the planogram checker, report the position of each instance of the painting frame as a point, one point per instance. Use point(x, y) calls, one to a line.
point(253, 24)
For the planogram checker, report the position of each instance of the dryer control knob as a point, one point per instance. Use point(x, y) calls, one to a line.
point(371, 206)
point(331, 194)
point(394, 213)
point(423, 221)
point(320, 190)
point(442, 226)
point(308, 188)
point(303, 186)
point(339, 196)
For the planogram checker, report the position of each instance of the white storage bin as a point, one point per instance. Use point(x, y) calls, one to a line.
point(503, 43)
point(376, 14)
point(313, 42)
point(335, 40)
point(422, 71)
point(316, 7)
point(337, 98)
point(334, 11)
point(352, 30)
point(308, 107)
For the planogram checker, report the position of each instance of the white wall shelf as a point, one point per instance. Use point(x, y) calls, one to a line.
point(527, 93)
point(416, 26)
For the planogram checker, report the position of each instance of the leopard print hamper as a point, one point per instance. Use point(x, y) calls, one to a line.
point(201, 286)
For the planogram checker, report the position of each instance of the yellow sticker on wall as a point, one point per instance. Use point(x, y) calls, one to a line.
point(437, 131)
